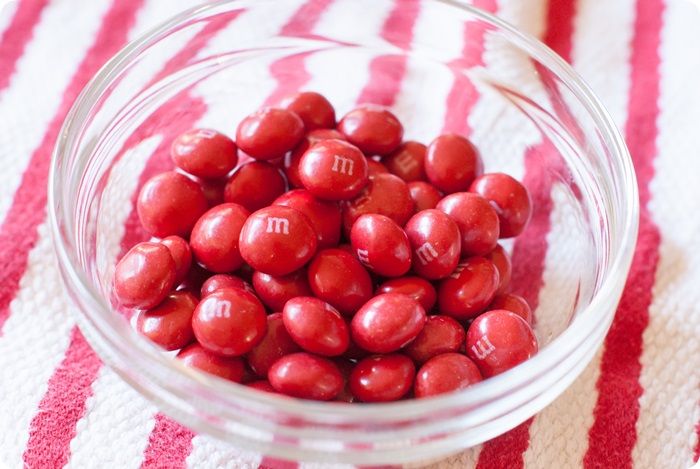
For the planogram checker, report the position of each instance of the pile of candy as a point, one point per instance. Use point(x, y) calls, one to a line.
point(380, 268)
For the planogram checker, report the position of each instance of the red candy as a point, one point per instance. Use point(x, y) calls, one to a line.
point(170, 323)
point(292, 159)
point(276, 291)
point(213, 190)
point(229, 322)
point(262, 385)
point(441, 334)
point(387, 322)
point(255, 185)
point(219, 281)
point(476, 219)
point(214, 239)
point(382, 378)
point(333, 170)
point(372, 129)
point(277, 240)
point(182, 255)
point(325, 216)
point(469, 289)
point(381, 245)
point(385, 195)
point(144, 276)
point(314, 109)
point(499, 340)
point(338, 278)
point(501, 260)
point(424, 195)
point(316, 326)
point(446, 373)
point(513, 303)
point(269, 133)
point(452, 163)
point(196, 356)
point(276, 344)
point(510, 199)
point(170, 204)
point(414, 287)
point(435, 242)
point(306, 376)
point(204, 153)
point(374, 167)
point(407, 161)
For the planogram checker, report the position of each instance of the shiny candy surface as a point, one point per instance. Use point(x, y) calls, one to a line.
point(499, 340)
point(277, 240)
point(275, 291)
point(144, 276)
point(476, 219)
point(510, 199)
point(407, 161)
point(182, 255)
point(446, 373)
point(501, 260)
point(170, 323)
point(441, 334)
point(469, 289)
point(214, 239)
point(414, 287)
point(316, 326)
point(325, 216)
point(269, 133)
point(381, 245)
point(373, 129)
point(196, 356)
point(424, 195)
point(337, 277)
point(170, 204)
point(333, 170)
point(219, 281)
point(276, 344)
point(382, 378)
point(386, 195)
point(292, 159)
point(387, 322)
point(314, 109)
point(255, 185)
point(513, 303)
point(306, 376)
point(435, 242)
point(204, 153)
point(452, 163)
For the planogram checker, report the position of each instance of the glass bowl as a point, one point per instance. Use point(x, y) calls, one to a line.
point(524, 107)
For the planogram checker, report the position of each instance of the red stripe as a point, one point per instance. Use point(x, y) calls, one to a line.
point(17, 35)
point(53, 427)
point(18, 234)
point(272, 463)
point(168, 442)
point(530, 248)
point(696, 458)
point(613, 434)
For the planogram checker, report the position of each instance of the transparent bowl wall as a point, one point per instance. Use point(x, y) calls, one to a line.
point(532, 110)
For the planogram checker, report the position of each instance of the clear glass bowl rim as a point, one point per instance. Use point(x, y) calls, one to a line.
point(108, 323)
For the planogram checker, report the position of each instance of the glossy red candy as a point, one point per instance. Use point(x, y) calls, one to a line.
point(373, 129)
point(262, 385)
point(469, 289)
point(333, 170)
point(424, 195)
point(214, 239)
point(229, 322)
point(382, 378)
point(338, 278)
point(510, 199)
point(415, 287)
point(182, 255)
point(316, 326)
point(387, 322)
point(292, 159)
point(325, 216)
point(407, 161)
point(269, 133)
point(144, 276)
point(276, 344)
point(255, 185)
point(277, 240)
point(499, 340)
point(477, 221)
point(276, 291)
point(170, 204)
point(435, 242)
point(170, 323)
point(213, 190)
point(381, 245)
point(196, 356)
point(374, 167)
point(386, 195)
point(446, 373)
point(313, 108)
point(219, 281)
point(501, 260)
point(441, 334)
point(306, 376)
point(452, 163)
point(204, 153)
point(513, 303)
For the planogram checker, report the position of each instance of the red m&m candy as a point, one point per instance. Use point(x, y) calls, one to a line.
point(214, 239)
point(269, 133)
point(204, 153)
point(381, 245)
point(452, 163)
point(333, 170)
point(435, 241)
point(313, 108)
point(373, 129)
point(144, 276)
point(469, 289)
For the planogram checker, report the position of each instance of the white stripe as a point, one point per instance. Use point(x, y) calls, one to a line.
point(26, 113)
point(115, 428)
point(209, 453)
point(559, 434)
point(671, 353)
point(7, 12)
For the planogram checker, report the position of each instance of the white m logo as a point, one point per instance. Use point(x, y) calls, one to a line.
point(363, 256)
point(217, 309)
point(342, 165)
point(277, 225)
point(406, 162)
point(426, 253)
point(483, 347)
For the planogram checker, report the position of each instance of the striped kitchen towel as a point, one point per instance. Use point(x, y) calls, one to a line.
point(636, 405)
